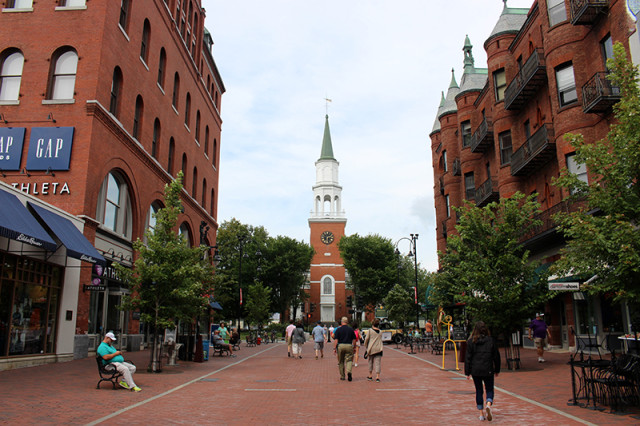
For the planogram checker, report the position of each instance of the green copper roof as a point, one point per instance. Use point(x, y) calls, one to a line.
point(453, 83)
point(327, 149)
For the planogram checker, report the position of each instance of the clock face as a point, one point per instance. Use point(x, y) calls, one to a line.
point(326, 237)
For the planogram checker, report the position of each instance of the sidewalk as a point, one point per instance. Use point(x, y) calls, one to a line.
point(263, 386)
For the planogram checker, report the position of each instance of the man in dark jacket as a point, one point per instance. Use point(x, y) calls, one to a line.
point(482, 362)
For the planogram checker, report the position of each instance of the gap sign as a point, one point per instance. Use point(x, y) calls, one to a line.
point(11, 141)
point(50, 148)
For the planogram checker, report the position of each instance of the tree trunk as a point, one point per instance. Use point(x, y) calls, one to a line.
point(154, 364)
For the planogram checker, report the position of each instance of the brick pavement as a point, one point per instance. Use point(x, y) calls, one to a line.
point(263, 386)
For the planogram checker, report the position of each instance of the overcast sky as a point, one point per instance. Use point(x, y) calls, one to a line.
point(383, 63)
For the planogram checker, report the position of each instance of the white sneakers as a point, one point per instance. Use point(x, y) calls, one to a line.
point(540, 359)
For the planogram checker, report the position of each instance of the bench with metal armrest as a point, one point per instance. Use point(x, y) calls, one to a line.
point(108, 374)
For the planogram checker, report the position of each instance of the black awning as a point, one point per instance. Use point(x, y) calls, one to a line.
point(77, 244)
point(18, 224)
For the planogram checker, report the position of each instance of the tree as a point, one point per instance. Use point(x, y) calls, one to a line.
point(486, 267)
point(372, 266)
point(399, 304)
point(258, 304)
point(169, 280)
point(603, 239)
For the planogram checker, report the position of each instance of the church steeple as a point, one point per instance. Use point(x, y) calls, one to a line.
point(327, 148)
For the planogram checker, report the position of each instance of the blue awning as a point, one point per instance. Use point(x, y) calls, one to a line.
point(77, 244)
point(216, 306)
point(18, 224)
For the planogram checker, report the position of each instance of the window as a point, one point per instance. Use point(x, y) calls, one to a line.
point(197, 126)
point(162, 64)
point(185, 232)
point(576, 168)
point(448, 204)
point(206, 140)
point(172, 149)
point(215, 152)
point(327, 285)
point(204, 192)
point(73, 3)
point(63, 79)
point(465, 130)
point(124, 14)
point(19, 4)
point(500, 84)
point(557, 11)
point(444, 161)
point(184, 168)
point(566, 82)
point(151, 218)
point(144, 45)
point(607, 49)
point(11, 76)
point(116, 89)
point(187, 110)
point(156, 138)
point(176, 91)
point(194, 183)
point(212, 201)
point(505, 147)
point(469, 186)
point(527, 130)
point(137, 117)
point(114, 208)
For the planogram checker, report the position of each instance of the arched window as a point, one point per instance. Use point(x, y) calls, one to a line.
point(162, 64)
point(11, 75)
point(124, 14)
point(151, 217)
point(187, 110)
point(137, 117)
point(144, 45)
point(206, 141)
point(63, 75)
point(172, 149)
point(215, 152)
point(155, 142)
point(185, 232)
point(184, 168)
point(198, 126)
point(204, 192)
point(194, 183)
point(327, 285)
point(114, 207)
point(213, 202)
point(176, 90)
point(116, 89)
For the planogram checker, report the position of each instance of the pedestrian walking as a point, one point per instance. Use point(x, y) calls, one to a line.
point(287, 336)
point(345, 342)
point(373, 349)
point(356, 352)
point(331, 329)
point(540, 333)
point(297, 340)
point(482, 363)
point(319, 338)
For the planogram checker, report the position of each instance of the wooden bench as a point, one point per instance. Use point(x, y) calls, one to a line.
point(107, 374)
point(235, 344)
point(220, 350)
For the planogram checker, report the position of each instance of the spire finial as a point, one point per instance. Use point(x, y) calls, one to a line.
point(326, 106)
point(505, 3)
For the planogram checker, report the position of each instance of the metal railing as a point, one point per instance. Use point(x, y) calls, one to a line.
point(536, 145)
point(515, 89)
point(585, 12)
point(485, 193)
point(482, 134)
point(599, 94)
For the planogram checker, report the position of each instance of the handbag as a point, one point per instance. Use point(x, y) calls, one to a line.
point(366, 355)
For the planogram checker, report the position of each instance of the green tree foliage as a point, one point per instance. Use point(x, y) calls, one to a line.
point(486, 267)
point(169, 280)
point(258, 304)
point(603, 236)
point(372, 266)
point(399, 304)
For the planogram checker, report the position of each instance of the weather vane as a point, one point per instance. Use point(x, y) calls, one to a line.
point(326, 105)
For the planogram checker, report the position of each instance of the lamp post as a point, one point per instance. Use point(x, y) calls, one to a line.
point(413, 252)
point(242, 241)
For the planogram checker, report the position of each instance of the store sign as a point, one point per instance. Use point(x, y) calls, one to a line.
point(11, 141)
point(43, 188)
point(50, 148)
point(564, 286)
point(86, 287)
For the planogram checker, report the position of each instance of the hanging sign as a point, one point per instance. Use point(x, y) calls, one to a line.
point(11, 141)
point(50, 148)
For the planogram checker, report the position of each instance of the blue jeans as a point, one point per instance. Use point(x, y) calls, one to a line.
point(488, 384)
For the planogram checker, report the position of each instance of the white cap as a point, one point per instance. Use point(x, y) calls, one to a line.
point(111, 336)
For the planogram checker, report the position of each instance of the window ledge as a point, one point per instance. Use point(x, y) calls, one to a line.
point(123, 32)
point(175, 110)
point(160, 87)
point(62, 8)
point(17, 10)
point(10, 102)
point(187, 127)
point(58, 101)
point(144, 63)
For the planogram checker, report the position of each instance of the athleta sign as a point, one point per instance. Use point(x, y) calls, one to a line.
point(50, 148)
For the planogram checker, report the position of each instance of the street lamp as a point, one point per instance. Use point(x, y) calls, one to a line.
point(242, 241)
point(413, 252)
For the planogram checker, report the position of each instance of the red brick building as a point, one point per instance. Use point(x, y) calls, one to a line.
point(114, 98)
point(502, 129)
point(327, 224)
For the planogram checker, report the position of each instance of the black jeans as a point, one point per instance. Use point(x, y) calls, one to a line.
point(488, 385)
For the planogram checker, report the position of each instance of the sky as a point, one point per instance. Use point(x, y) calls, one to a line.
point(383, 64)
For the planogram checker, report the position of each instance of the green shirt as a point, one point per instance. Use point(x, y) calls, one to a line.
point(105, 349)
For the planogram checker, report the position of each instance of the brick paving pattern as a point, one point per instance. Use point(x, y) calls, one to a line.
point(263, 386)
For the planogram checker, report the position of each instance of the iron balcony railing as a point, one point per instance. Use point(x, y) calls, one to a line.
point(587, 12)
point(537, 150)
point(599, 94)
point(526, 83)
point(483, 137)
point(486, 193)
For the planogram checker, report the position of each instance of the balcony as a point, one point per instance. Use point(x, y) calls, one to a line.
point(442, 185)
point(486, 193)
point(456, 168)
point(535, 152)
point(527, 82)
point(598, 94)
point(482, 138)
point(587, 12)
point(548, 224)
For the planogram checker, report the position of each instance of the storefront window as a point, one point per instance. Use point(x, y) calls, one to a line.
point(586, 322)
point(29, 295)
point(611, 316)
point(104, 306)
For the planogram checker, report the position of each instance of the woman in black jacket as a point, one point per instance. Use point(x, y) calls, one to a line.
point(482, 362)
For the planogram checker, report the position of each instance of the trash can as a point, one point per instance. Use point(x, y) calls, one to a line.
point(205, 350)
point(462, 351)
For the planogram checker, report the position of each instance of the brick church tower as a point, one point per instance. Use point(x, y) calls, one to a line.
point(327, 224)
